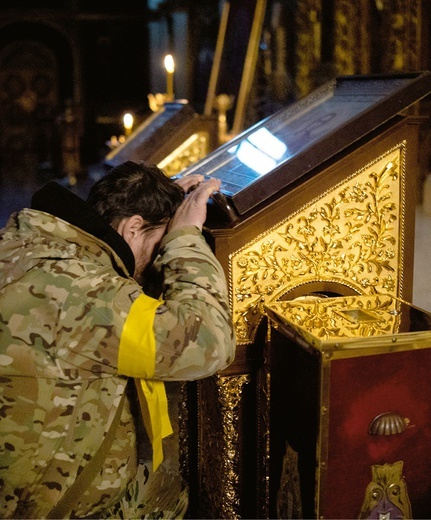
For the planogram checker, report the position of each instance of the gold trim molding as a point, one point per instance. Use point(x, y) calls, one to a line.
point(351, 236)
point(219, 457)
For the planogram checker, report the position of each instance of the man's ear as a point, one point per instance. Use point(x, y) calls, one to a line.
point(129, 227)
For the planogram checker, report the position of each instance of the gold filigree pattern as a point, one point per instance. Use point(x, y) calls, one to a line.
point(219, 458)
point(403, 35)
point(350, 317)
point(263, 394)
point(351, 51)
point(308, 22)
point(184, 423)
point(351, 235)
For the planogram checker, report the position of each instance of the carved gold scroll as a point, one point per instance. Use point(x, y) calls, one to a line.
point(348, 236)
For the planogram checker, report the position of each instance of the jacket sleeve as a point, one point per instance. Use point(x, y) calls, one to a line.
point(193, 326)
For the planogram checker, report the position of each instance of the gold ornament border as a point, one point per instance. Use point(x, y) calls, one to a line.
point(258, 277)
point(219, 444)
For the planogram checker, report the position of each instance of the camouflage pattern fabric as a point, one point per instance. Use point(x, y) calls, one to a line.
point(62, 309)
point(162, 494)
point(195, 310)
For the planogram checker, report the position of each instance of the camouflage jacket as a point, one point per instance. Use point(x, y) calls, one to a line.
point(64, 298)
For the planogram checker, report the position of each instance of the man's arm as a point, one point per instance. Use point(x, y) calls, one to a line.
point(193, 327)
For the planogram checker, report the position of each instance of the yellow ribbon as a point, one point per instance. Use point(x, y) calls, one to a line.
point(137, 359)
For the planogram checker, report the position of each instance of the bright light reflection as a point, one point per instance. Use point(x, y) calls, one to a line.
point(260, 151)
point(255, 158)
point(268, 143)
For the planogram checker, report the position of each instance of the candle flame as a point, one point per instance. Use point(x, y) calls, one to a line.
point(169, 63)
point(128, 121)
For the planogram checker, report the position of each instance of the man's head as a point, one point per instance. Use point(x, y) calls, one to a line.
point(138, 200)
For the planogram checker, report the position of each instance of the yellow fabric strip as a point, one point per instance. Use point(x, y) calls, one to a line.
point(137, 358)
point(137, 352)
point(154, 409)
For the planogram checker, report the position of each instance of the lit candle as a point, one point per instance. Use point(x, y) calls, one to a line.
point(170, 67)
point(128, 124)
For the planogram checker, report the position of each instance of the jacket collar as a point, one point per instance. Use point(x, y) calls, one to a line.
point(63, 203)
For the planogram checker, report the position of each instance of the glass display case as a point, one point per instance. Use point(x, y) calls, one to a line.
point(280, 150)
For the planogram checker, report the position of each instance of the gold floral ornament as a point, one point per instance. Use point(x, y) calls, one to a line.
point(349, 235)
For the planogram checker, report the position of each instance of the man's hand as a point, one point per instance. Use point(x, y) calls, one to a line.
point(189, 182)
point(193, 211)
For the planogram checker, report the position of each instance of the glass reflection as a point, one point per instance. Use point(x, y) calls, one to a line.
point(260, 151)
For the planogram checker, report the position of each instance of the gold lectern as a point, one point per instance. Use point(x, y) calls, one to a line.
point(317, 199)
point(174, 138)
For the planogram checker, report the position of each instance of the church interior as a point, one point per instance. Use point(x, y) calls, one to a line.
point(316, 116)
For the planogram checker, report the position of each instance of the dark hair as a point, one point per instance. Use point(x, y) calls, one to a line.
point(136, 189)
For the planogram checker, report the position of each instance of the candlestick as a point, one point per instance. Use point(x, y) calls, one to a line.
point(170, 67)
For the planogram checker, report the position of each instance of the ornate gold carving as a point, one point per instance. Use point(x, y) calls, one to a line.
point(219, 457)
point(308, 23)
point(399, 20)
point(196, 147)
point(386, 495)
point(184, 423)
point(403, 35)
point(351, 48)
point(350, 317)
point(263, 403)
point(350, 235)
